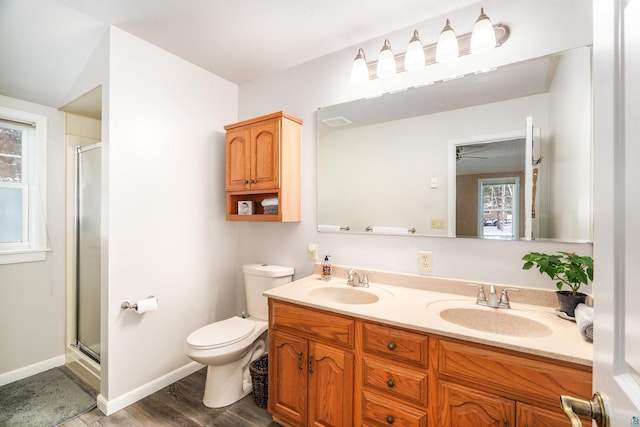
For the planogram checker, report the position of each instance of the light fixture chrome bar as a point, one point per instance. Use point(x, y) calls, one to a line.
point(464, 43)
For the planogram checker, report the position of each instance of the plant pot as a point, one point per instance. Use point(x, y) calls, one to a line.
point(568, 302)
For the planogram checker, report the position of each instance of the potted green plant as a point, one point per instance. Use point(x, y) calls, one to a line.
point(566, 268)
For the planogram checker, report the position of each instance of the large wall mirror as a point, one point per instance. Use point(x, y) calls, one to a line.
point(503, 154)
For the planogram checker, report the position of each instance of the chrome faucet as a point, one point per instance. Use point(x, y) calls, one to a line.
point(493, 300)
point(363, 283)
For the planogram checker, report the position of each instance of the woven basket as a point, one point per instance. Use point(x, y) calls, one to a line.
point(259, 369)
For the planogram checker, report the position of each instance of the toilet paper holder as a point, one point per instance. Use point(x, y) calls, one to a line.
point(127, 305)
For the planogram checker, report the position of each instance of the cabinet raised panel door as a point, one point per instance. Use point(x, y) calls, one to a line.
point(531, 416)
point(265, 158)
point(464, 407)
point(330, 386)
point(288, 377)
point(238, 153)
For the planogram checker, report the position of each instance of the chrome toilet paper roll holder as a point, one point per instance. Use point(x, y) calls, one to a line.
point(127, 305)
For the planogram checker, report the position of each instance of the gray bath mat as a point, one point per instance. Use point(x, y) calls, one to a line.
point(44, 400)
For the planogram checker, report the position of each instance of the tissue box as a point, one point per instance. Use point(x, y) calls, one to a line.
point(246, 207)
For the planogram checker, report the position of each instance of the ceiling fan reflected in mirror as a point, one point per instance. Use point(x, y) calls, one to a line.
point(462, 154)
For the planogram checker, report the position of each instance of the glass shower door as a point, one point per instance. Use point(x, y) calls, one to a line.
point(88, 255)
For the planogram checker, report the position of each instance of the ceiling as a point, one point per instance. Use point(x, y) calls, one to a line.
point(46, 43)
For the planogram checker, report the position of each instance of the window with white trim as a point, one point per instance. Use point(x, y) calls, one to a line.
point(23, 160)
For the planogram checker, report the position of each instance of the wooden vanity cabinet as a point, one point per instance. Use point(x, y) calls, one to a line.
point(327, 369)
point(483, 386)
point(311, 366)
point(262, 160)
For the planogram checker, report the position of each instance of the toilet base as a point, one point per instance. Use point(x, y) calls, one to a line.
point(229, 383)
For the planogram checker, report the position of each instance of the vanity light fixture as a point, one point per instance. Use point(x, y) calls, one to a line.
point(483, 38)
point(447, 49)
point(386, 62)
point(414, 56)
point(359, 71)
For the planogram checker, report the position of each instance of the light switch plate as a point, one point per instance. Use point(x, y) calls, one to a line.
point(312, 251)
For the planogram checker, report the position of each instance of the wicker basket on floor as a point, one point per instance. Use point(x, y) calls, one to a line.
point(259, 369)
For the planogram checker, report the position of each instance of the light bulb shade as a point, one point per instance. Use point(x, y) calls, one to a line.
point(483, 37)
point(447, 48)
point(359, 70)
point(414, 56)
point(386, 62)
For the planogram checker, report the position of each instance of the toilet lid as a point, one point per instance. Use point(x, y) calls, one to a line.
point(221, 333)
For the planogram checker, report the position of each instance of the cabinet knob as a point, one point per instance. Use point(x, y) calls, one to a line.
point(253, 181)
point(391, 345)
point(390, 382)
point(390, 419)
point(246, 181)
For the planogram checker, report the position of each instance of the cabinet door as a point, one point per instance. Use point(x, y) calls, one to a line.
point(463, 407)
point(288, 377)
point(265, 155)
point(531, 416)
point(330, 386)
point(237, 155)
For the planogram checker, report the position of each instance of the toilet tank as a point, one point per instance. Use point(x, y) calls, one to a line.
point(259, 278)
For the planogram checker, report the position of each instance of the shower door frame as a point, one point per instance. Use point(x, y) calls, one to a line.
point(77, 343)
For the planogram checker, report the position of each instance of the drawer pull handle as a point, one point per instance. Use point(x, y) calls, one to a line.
point(391, 345)
point(299, 362)
point(390, 419)
point(310, 364)
point(390, 382)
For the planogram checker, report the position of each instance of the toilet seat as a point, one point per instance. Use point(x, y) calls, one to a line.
point(222, 333)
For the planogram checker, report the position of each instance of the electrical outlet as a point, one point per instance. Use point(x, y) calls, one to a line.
point(312, 251)
point(425, 263)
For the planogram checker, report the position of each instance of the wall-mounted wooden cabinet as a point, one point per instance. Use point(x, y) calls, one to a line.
point(263, 162)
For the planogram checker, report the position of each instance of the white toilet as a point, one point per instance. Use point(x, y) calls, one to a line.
point(228, 347)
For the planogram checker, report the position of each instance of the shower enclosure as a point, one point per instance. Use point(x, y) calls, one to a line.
point(87, 256)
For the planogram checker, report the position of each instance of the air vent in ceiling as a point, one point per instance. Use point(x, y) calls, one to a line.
point(338, 121)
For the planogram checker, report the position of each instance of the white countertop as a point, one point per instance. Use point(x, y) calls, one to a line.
point(420, 310)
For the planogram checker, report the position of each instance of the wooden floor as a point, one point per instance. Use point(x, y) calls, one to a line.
point(180, 404)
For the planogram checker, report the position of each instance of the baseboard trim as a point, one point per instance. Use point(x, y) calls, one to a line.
point(109, 406)
point(27, 371)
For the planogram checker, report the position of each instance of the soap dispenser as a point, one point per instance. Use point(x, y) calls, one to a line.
point(326, 269)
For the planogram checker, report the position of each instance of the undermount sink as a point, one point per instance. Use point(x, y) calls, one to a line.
point(495, 321)
point(343, 295)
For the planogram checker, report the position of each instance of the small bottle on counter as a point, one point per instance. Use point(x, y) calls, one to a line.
point(326, 269)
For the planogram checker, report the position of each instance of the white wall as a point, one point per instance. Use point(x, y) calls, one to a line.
point(325, 81)
point(571, 210)
point(32, 294)
point(167, 234)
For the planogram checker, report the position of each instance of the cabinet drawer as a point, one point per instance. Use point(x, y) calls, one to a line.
point(397, 344)
point(406, 384)
point(377, 411)
point(512, 375)
point(312, 323)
